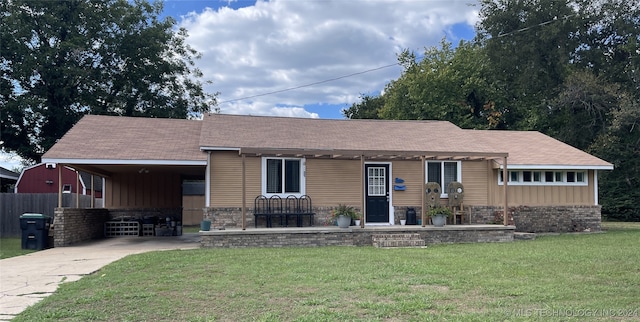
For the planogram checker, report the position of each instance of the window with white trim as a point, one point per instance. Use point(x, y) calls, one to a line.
point(443, 172)
point(282, 176)
point(545, 177)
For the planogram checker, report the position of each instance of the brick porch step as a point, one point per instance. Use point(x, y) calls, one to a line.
point(398, 240)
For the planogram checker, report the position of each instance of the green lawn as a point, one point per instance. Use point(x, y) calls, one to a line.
point(563, 277)
point(12, 246)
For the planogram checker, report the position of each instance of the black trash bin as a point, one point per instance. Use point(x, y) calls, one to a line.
point(411, 216)
point(35, 231)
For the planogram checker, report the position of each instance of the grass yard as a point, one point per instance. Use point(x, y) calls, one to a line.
point(12, 246)
point(560, 277)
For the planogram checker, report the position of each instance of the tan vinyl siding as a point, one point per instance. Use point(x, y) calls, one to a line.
point(545, 195)
point(411, 173)
point(330, 182)
point(474, 181)
point(226, 179)
point(146, 190)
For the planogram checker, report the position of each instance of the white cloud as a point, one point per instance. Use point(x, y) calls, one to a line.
point(282, 44)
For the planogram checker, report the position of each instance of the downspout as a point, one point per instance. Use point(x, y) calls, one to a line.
point(104, 192)
point(595, 186)
point(423, 214)
point(364, 186)
point(244, 195)
point(505, 180)
point(207, 182)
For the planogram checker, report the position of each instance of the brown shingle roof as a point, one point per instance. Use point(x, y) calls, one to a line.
point(126, 138)
point(236, 131)
point(532, 148)
point(98, 137)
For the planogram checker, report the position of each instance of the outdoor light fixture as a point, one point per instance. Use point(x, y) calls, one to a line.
point(143, 170)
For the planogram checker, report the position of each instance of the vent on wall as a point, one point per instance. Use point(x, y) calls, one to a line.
point(51, 165)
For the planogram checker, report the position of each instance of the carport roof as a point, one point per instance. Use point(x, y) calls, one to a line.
point(99, 139)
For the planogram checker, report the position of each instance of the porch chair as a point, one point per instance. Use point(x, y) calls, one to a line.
point(261, 209)
point(275, 208)
point(306, 209)
point(291, 208)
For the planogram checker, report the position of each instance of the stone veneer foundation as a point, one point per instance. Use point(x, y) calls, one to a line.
point(353, 236)
point(541, 219)
point(530, 219)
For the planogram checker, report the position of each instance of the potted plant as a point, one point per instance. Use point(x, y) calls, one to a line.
point(344, 214)
point(439, 215)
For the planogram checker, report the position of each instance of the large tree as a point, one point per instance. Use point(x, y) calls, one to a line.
point(447, 83)
point(63, 59)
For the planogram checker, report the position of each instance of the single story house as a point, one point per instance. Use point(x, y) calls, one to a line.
point(550, 185)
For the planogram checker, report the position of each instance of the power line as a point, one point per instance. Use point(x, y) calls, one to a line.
point(534, 26)
point(309, 85)
point(377, 68)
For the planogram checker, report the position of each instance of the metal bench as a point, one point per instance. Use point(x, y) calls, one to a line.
point(275, 206)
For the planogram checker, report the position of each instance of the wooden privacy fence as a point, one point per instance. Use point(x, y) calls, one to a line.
point(13, 205)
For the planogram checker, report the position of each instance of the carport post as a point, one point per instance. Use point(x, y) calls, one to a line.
point(77, 189)
point(92, 193)
point(59, 185)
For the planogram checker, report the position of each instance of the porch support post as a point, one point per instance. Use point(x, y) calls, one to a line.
point(244, 194)
point(59, 185)
point(505, 180)
point(364, 186)
point(423, 206)
point(77, 189)
point(93, 194)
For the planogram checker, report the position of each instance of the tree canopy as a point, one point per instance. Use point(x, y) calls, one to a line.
point(568, 68)
point(63, 59)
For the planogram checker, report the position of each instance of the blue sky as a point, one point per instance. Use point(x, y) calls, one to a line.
point(252, 48)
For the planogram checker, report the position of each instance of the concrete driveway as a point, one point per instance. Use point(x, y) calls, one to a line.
point(25, 280)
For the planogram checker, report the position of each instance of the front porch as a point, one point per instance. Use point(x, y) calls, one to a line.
point(352, 236)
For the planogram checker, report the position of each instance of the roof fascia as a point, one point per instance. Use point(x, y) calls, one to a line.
point(373, 153)
point(126, 162)
point(218, 148)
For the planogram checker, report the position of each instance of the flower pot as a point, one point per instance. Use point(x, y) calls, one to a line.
point(403, 222)
point(357, 222)
point(344, 221)
point(205, 225)
point(439, 220)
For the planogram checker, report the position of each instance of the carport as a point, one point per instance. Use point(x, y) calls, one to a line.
point(144, 168)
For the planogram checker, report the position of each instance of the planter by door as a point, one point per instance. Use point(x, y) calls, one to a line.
point(344, 221)
point(438, 220)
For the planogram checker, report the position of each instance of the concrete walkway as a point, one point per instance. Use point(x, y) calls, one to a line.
point(25, 280)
